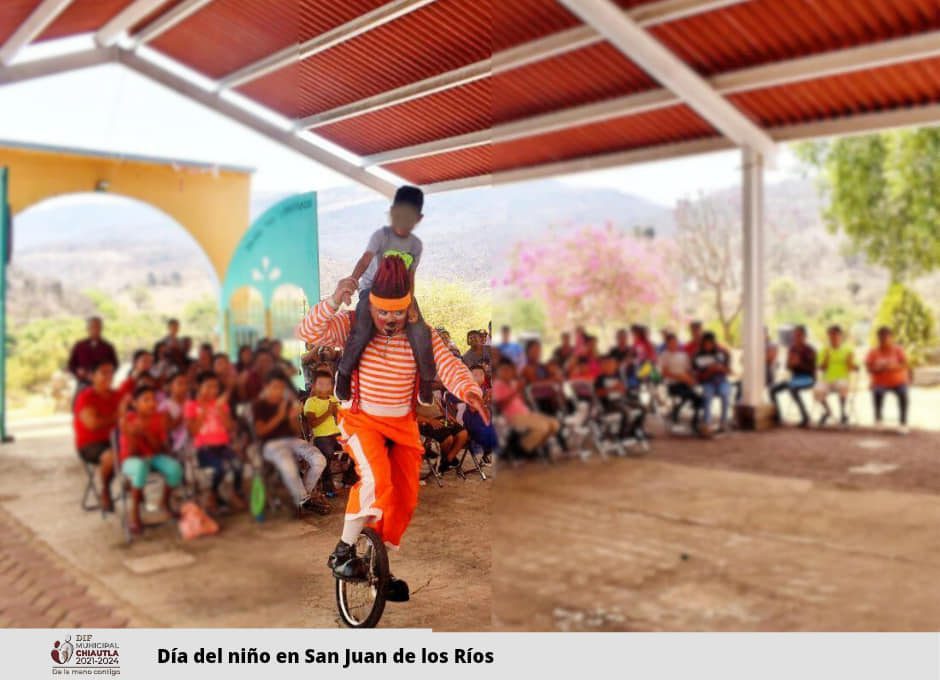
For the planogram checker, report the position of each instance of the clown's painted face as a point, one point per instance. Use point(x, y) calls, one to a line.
point(388, 323)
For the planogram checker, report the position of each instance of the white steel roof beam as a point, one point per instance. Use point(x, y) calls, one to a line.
point(219, 104)
point(832, 63)
point(653, 57)
point(35, 24)
point(112, 31)
point(164, 23)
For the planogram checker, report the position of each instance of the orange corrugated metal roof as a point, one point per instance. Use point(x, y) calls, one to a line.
point(82, 16)
point(227, 35)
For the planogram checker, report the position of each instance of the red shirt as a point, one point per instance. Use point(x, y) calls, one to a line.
point(103, 405)
point(140, 445)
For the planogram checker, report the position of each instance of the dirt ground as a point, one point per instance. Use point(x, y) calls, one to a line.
point(269, 574)
point(788, 530)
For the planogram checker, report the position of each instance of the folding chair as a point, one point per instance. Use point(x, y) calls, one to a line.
point(123, 499)
point(91, 488)
point(575, 433)
point(603, 425)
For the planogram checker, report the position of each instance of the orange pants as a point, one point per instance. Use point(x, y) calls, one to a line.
point(387, 489)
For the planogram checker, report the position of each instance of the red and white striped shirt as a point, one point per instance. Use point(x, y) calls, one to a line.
point(387, 368)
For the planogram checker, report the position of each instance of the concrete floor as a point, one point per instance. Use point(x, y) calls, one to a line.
point(697, 544)
point(269, 574)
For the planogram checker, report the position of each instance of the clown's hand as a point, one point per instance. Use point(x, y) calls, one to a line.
point(475, 403)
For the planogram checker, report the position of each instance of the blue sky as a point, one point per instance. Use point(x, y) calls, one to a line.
point(109, 108)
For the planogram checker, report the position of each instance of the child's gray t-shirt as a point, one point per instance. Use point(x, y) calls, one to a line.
point(386, 242)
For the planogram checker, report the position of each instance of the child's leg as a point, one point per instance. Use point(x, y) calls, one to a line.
point(359, 336)
point(419, 335)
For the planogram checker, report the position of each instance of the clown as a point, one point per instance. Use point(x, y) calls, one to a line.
point(378, 424)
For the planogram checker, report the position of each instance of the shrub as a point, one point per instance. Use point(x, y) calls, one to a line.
point(914, 325)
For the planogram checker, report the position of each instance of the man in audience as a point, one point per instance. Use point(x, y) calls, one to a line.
point(675, 365)
point(478, 354)
point(712, 364)
point(276, 422)
point(510, 349)
point(96, 414)
point(534, 370)
point(890, 372)
point(564, 351)
point(88, 353)
point(622, 350)
point(277, 353)
point(172, 342)
point(696, 328)
point(801, 362)
point(837, 362)
point(251, 382)
point(536, 428)
point(770, 359)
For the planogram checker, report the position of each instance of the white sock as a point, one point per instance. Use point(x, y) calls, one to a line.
point(351, 530)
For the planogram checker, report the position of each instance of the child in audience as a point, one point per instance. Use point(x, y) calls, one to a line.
point(320, 410)
point(482, 434)
point(143, 447)
point(172, 410)
point(210, 424)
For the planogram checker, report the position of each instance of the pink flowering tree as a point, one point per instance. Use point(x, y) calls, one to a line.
point(592, 276)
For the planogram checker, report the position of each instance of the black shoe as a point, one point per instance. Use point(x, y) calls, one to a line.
point(823, 419)
point(396, 590)
point(346, 565)
point(343, 387)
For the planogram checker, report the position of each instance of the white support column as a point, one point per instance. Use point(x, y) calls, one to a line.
point(752, 186)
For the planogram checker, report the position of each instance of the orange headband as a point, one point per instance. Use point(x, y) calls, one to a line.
point(390, 305)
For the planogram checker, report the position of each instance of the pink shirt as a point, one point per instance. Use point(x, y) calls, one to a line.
point(212, 432)
point(515, 406)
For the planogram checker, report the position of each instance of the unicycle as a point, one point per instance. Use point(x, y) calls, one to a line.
point(361, 603)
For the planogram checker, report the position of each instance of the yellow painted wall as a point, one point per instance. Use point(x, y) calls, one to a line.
point(212, 205)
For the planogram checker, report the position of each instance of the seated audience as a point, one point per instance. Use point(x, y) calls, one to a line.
point(96, 414)
point(172, 409)
point(887, 365)
point(564, 351)
point(143, 448)
point(696, 329)
point(433, 422)
point(801, 362)
point(622, 349)
point(481, 433)
point(535, 428)
point(836, 362)
point(675, 365)
point(712, 364)
point(276, 421)
point(210, 424)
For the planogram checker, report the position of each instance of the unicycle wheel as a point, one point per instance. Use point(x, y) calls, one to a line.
point(361, 603)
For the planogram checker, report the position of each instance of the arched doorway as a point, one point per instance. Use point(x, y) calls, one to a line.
point(96, 254)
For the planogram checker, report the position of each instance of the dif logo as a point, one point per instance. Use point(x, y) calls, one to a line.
point(63, 651)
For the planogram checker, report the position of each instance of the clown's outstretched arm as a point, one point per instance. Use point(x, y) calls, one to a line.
point(454, 373)
point(325, 325)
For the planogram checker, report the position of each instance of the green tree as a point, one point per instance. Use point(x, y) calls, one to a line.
point(884, 194)
point(455, 306)
point(914, 325)
point(201, 317)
